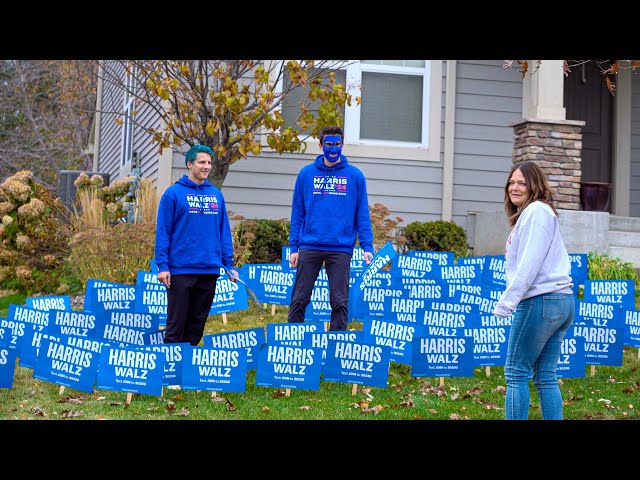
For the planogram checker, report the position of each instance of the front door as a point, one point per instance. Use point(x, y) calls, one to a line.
point(587, 98)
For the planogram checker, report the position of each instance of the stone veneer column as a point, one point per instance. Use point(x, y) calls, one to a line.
point(556, 146)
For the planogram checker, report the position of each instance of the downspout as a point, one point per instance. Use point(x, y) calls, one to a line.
point(97, 120)
point(449, 136)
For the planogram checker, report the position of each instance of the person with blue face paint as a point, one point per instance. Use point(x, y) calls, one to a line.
point(329, 210)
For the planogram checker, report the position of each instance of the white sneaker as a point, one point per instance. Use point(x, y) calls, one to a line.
point(174, 387)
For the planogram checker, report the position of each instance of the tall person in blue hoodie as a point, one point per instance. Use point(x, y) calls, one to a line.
point(193, 240)
point(329, 208)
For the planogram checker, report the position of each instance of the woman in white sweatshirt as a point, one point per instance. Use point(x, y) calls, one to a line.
point(538, 294)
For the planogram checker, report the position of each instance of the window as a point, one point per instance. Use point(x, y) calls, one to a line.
point(399, 104)
point(126, 150)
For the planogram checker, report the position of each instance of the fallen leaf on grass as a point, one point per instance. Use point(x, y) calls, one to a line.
point(170, 406)
point(73, 399)
point(500, 388)
point(184, 412)
point(71, 413)
point(630, 389)
point(611, 379)
point(454, 396)
point(454, 416)
point(407, 403)
point(38, 411)
point(266, 409)
point(433, 410)
point(230, 406)
point(278, 393)
point(305, 407)
point(100, 417)
point(475, 391)
point(375, 410)
point(217, 398)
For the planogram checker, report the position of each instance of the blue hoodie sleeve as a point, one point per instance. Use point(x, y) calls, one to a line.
point(297, 213)
point(226, 240)
point(164, 229)
point(363, 218)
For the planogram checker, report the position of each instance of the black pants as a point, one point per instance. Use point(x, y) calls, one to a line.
point(188, 304)
point(338, 265)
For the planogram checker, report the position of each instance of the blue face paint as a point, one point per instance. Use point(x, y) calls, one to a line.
point(332, 147)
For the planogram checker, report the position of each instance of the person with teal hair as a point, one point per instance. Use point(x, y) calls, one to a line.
point(193, 243)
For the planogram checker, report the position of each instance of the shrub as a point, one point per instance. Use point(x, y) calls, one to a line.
point(385, 229)
point(114, 254)
point(33, 236)
point(258, 240)
point(438, 235)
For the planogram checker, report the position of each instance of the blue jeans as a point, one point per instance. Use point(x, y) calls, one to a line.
point(537, 329)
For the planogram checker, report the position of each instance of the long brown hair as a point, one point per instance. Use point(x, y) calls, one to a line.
point(537, 188)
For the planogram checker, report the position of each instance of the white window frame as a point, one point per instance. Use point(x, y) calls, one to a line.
point(126, 144)
point(428, 149)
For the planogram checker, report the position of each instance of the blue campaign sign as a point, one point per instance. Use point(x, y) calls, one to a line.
point(230, 296)
point(490, 335)
point(66, 365)
point(271, 282)
point(13, 332)
point(447, 315)
point(603, 327)
point(131, 369)
point(250, 340)
point(494, 271)
point(321, 339)
point(7, 365)
point(371, 303)
point(357, 362)
point(473, 261)
point(442, 258)
point(483, 303)
point(93, 283)
point(579, 269)
point(632, 327)
point(174, 356)
point(407, 310)
point(435, 356)
point(69, 322)
point(20, 313)
point(30, 346)
point(144, 321)
point(465, 274)
point(572, 360)
point(291, 333)
point(118, 298)
point(287, 366)
point(147, 278)
point(58, 302)
point(615, 292)
point(397, 336)
point(153, 337)
point(413, 266)
point(215, 369)
point(153, 301)
point(125, 335)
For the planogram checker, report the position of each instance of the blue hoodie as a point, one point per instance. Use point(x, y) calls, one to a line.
point(329, 208)
point(192, 230)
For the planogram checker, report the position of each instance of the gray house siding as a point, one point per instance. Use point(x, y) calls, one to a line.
point(488, 99)
point(111, 137)
point(634, 201)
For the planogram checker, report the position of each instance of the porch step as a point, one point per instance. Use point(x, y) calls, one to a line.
point(627, 238)
point(624, 224)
